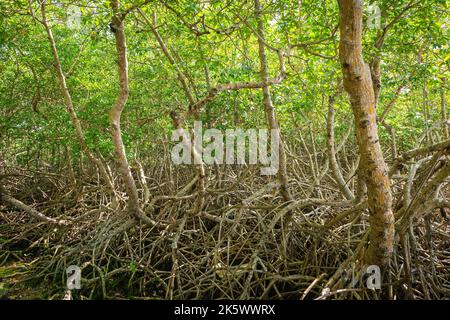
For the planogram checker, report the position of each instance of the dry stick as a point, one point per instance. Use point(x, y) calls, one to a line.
point(32, 212)
point(428, 171)
point(355, 256)
point(170, 167)
point(310, 157)
point(444, 111)
point(175, 266)
point(419, 152)
point(328, 294)
point(257, 194)
point(342, 215)
point(423, 201)
point(305, 293)
point(279, 215)
point(70, 108)
point(428, 132)
point(382, 118)
point(429, 235)
point(143, 181)
point(71, 174)
point(29, 210)
point(358, 84)
point(408, 186)
point(404, 240)
point(335, 170)
point(314, 150)
point(391, 131)
point(316, 181)
point(415, 261)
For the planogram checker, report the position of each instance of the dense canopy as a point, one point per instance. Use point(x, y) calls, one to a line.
point(92, 91)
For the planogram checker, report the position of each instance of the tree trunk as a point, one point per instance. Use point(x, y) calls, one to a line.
point(358, 84)
point(116, 112)
point(268, 105)
point(70, 108)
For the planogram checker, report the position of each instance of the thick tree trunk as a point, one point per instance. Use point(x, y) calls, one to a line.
point(358, 84)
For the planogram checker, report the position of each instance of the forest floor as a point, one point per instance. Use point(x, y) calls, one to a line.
point(240, 246)
point(14, 284)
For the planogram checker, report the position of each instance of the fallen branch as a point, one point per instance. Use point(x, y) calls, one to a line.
point(32, 212)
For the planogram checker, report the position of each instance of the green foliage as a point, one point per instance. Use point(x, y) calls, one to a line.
point(415, 53)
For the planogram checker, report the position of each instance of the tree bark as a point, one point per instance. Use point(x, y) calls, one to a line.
point(70, 108)
point(358, 83)
point(116, 112)
point(267, 100)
